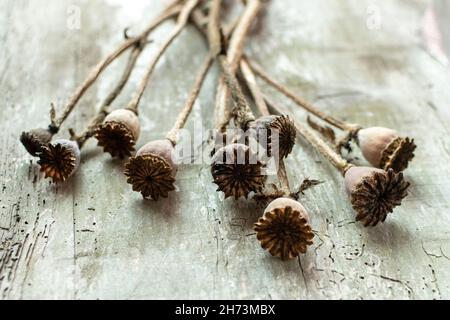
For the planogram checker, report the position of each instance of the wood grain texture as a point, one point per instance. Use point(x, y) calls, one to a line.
point(95, 238)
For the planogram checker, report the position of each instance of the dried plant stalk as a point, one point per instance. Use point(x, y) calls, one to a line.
point(373, 192)
point(250, 80)
point(120, 130)
point(200, 21)
point(185, 112)
point(101, 66)
point(60, 159)
point(234, 54)
point(382, 147)
point(181, 23)
point(300, 101)
point(35, 139)
point(89, 131)
point(152, 170)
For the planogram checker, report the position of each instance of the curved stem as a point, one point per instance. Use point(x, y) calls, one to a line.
point(310, 136)
point(171, 10)
point(234, 55)
point(104, 109)
point(181, 23)
point(299, 100)
point(184, 114)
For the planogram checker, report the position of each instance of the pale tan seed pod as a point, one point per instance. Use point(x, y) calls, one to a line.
point(152, 170)
point(284, 229)
point(237, 171)
point(384, 148)
point(35, 139)
point(118, 133)
point(374, 192)
point(60, 159)
point(285, 129)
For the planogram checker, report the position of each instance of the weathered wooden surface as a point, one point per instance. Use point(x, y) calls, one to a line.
point(95, 238)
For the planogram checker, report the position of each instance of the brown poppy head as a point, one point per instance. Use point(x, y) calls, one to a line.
point(35, 139)
point(284, 229)
point(268, 127)
point(237, 171)
point(152, 171)
point(60, 159)
point(118, 133)
point(374, 192)
point(384, 148)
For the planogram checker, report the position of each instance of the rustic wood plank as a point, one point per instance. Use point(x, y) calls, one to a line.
point(94, 238)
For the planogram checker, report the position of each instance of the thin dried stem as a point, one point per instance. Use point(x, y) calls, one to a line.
point(199, 19)
point(310, 136)
point(105, 106)
point(299, 100)
point(283, 178)
point(181, 23)
point(250, 81)
point(235, 52)
point(242, 111)
point(184, 114)
point(171, 10)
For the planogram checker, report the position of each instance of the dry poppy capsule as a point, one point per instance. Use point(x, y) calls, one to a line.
point(265, 128)
point(118, 133)
point(237, 171)
point(384, 148)
point(374, 192)
point(60, 159)
point(152, 170)
point(35, 139)
point(284, 229)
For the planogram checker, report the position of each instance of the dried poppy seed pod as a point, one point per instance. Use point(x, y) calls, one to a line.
point(237, 171)
point(284, 229)
point(283, 127)
point(60, 159)
point(35, 139)
point(118, 133)
point(374, 192)
point(385, 149)
point(152, 171)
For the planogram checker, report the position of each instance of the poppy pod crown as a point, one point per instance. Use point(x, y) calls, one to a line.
point(60, 159)
point(152, 170)
point(284, 229)
point(284, 128)
point(384, 148)
point(237, 171)
point(119, 132)
point(35, 139)
point(374, 192)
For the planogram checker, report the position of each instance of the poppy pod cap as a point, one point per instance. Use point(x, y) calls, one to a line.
point(284, 229)
point(384, 148)
point(152, 170)
point(60, 159)
point(119, 132)
point(269, 127)
point(162, 148)
point(237, 171)
point(35, 139)
point(374, 192)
